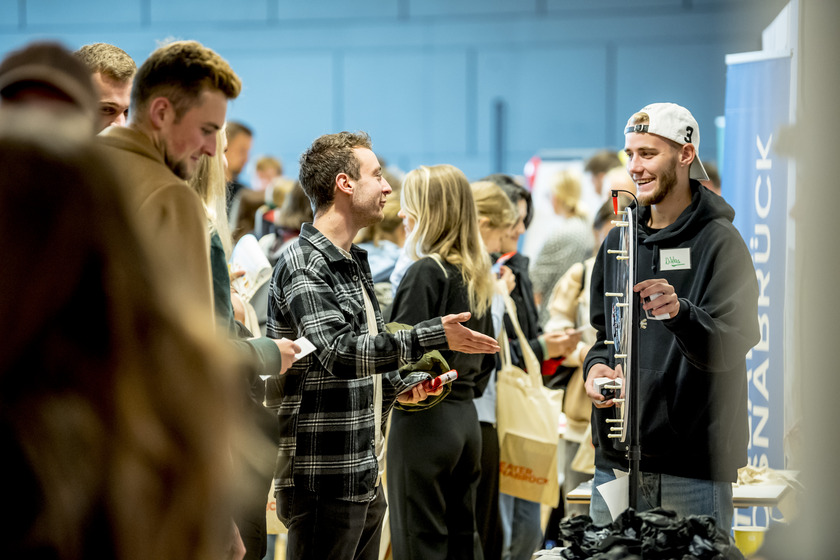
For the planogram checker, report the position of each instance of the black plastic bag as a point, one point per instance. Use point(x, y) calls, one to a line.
point(657, 534)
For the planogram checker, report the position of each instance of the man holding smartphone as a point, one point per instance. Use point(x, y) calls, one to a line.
point(332, 405)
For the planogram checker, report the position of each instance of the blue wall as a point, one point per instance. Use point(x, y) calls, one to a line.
point(425, 77)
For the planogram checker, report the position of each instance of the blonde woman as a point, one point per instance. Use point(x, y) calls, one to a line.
point(263, 356)
point(570, 242)
point(434, 454)
point(496, 216)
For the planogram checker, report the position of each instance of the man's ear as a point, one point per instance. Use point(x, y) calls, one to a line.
point(342, 183)
point(160, 112)
point(687, 154)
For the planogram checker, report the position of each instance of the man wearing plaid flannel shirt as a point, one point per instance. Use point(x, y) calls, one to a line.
point(332, 404)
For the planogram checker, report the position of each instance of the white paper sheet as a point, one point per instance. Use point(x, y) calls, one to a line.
point(249, 256)
point(306, 347)
point(616, 493)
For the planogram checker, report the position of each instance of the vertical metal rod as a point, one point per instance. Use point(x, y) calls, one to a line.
point(634, 448)
point(634, 451)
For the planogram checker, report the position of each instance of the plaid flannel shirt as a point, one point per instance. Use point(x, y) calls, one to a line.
point(324, 402)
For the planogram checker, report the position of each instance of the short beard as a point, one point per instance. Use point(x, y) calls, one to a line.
point(365, 219)
point(179, 168)
point(665, 182)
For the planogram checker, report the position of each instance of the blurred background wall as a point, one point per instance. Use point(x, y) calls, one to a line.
point(481, 84)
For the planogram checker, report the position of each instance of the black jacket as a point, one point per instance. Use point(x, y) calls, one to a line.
point(430, 290)
point(693, 369)
point(526, 311)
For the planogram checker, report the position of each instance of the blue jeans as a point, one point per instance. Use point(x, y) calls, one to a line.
point(522, 531)
point(685, 496)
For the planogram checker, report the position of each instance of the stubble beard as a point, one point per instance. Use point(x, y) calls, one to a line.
point(179, 168)
point(368, 217)
point(665, 182)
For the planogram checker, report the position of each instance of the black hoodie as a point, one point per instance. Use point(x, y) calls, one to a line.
point(693, 367)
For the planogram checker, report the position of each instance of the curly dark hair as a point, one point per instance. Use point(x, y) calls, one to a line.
point(328, 156)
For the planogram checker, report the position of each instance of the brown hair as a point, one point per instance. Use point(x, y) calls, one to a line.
point(265, 163)
point(603, 161)
point(235, 128)
point(116, 405)
point(295, 210)
point(181, 71)
point(328, 156)
point(47, 68)
point(108, 60)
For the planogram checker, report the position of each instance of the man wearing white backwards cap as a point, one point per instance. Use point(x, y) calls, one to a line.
point(692, 366)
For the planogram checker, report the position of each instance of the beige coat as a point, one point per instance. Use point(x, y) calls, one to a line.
point(170, 214)
point(569, 307)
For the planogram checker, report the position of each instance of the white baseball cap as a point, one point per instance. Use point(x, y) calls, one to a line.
point(673, 122)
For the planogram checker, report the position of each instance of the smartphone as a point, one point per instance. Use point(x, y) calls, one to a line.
point(434, 383)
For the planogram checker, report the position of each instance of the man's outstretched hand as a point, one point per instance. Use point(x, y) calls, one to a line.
point(468, 341)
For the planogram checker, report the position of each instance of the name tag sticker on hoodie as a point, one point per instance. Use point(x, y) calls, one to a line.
point(675, 259)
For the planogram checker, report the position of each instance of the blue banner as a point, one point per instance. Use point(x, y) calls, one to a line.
point(755, 183)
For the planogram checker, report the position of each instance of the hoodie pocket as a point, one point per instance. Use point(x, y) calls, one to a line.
point(657, 430)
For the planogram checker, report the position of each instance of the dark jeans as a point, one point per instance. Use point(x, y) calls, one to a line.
point(327, 528)
point(252, 530)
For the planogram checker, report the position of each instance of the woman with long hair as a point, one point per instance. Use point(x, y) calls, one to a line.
point(568, 243)
point(434, 453)
point(263, 356)
point(496, 216)
point(116, 416)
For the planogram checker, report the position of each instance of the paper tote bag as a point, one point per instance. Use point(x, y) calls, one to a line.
point(527, 422)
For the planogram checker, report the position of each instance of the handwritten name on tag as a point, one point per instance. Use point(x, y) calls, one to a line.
point(675, 259)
